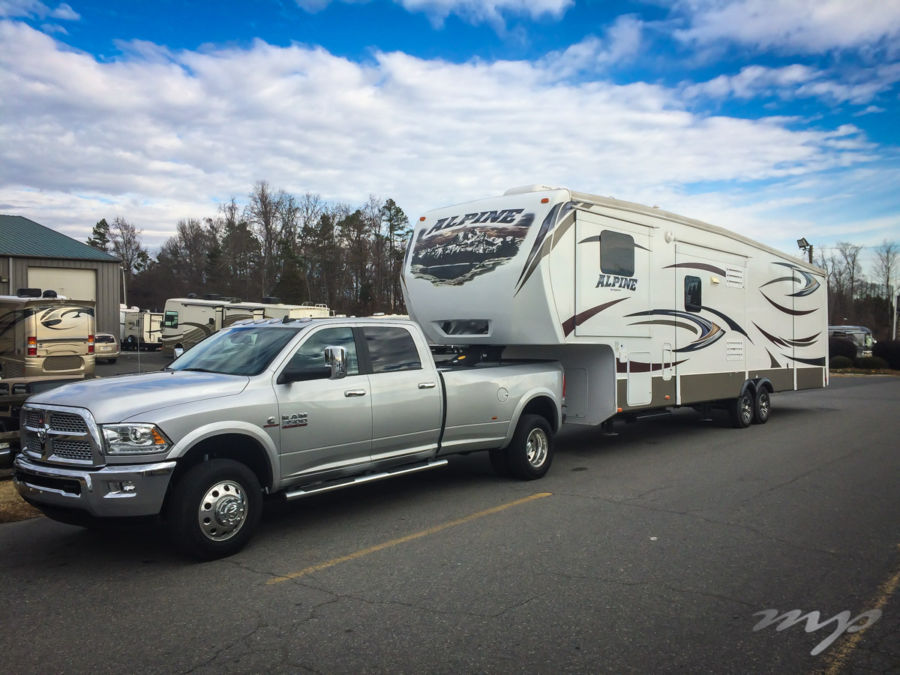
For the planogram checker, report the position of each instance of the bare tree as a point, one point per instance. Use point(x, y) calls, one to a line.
point(886, 264)
point(262, 214)
point(126, 245)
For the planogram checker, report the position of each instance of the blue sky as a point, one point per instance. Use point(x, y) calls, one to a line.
point(775, 118)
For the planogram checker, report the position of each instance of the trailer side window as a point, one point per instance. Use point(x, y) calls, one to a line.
point(692, 299)
point(391, 349)
point(171, 319)
point(616, 253)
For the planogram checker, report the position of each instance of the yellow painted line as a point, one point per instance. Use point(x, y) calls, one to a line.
point(402, 540)
point(840, 657)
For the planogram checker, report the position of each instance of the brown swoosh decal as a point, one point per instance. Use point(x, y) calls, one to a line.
point(792, 312)
point(698, 266)
point(569, 324)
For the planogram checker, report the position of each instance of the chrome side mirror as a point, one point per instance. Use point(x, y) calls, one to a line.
point(336, 359)
point(178, 351)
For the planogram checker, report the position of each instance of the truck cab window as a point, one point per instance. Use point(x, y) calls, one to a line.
point(391, 349)
point(692, 296)
point(616, 253)
point(309, 359)
point(170, 320)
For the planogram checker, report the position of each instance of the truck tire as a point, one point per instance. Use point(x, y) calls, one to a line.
point(741, 410)
point(530, 453)
point(762, 406)
point(214, 509)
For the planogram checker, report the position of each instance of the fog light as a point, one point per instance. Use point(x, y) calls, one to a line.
point(125, 486)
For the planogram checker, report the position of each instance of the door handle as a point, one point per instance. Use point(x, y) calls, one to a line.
point(354, 392)
point(426, 385)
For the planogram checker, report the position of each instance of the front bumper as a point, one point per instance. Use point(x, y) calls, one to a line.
point(110, 492)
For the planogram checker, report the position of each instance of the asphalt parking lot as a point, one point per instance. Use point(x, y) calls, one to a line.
point(655, 550)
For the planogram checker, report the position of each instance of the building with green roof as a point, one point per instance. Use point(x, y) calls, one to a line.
point(35, 256)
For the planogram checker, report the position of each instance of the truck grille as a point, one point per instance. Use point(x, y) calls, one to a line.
point(50, 434)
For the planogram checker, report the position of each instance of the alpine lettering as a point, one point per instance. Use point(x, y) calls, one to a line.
point(505, 217)
point(611, 281)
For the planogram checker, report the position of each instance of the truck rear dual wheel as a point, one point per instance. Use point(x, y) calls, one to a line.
point(214, 509)
point(529, 454)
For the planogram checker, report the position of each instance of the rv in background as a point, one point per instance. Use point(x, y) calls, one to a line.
point(860, 336)
point(143, 330)
point(44, 335)
point(187, 321)
point(645, 309)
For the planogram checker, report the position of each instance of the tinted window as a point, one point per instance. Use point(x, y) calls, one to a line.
point(692, 299)
point(170, 320)
point(616, 253)
point(309, 359)
point(391, 348)
point(242, 350)
point(104, 338)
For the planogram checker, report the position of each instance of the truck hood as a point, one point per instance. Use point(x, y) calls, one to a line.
point(115, 399)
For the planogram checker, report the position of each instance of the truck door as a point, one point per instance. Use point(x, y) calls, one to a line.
point(324, 424)
point(406, 397)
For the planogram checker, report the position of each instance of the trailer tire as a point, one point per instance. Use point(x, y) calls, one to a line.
point(214, 509)
point(741, 410)
point(762, 406)
point(530, 452)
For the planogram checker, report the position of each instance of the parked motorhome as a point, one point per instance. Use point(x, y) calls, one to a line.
point(186, 321)
point(644, 308)
point(44, 335)
point(143, 330)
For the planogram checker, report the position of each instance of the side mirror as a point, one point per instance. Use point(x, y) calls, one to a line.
point(178, 351)
point(336, 358)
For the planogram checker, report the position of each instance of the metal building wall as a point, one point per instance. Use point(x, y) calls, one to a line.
point(109, 285)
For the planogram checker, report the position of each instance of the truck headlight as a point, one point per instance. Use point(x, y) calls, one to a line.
point(133, 439)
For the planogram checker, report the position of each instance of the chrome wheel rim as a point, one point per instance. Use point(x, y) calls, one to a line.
point(746, 408)
point(764, 405)
point(536, 448)
point(223, 511)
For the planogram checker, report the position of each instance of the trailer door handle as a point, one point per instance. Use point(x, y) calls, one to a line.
point(426, 385)
point(354, 392)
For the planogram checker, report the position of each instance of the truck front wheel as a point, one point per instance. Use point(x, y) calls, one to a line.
point(530, 453)
point(215, 507)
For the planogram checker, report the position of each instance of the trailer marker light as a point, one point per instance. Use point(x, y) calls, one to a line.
point(618, 410)
point(668, 397)
point(421, 219)
point(32, 345)
point(90, 344)
point(545, 200)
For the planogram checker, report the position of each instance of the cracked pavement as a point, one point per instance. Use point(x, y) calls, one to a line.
point(653, 553)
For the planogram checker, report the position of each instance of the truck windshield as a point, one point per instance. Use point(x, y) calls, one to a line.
point(242, 350)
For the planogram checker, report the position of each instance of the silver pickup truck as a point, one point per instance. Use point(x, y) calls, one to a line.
point(276, 407)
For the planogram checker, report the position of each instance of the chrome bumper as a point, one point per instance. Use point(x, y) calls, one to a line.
point(113, 491)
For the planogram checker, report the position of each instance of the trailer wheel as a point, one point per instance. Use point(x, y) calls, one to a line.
point(530, 453)
point(741, 410)
point(214, 509)
point(762, 406)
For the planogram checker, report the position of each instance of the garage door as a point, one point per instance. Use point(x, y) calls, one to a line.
point(74, 284)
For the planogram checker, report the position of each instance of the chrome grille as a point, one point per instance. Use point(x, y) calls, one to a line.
point(34, 445)
point(33, 418)
point(72, 424)
point(77, 450)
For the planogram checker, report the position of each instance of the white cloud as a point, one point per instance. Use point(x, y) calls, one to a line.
point(36, 9)
point(160, 136)
point(858, 87)
point(65, 12)
point(794, 26)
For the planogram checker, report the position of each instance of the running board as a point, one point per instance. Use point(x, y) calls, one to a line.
point(361, 480)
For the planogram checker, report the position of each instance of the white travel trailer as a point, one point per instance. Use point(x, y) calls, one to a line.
point(186, 321)
point(644, 308)
point(45, 335)
point(143, 330)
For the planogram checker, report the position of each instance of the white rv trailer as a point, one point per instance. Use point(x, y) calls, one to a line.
point(644, 308)
point(186, 321)
point(143, 330)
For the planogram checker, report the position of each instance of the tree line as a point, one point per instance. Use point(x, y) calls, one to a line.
point(855, 298)
point(297, 249)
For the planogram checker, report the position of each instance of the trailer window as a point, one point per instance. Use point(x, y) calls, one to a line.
point(391, 349)
point(616, 253)
point(692, 296)
point(170, 320)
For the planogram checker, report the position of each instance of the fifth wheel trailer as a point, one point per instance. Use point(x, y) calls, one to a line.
point(645, 309)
